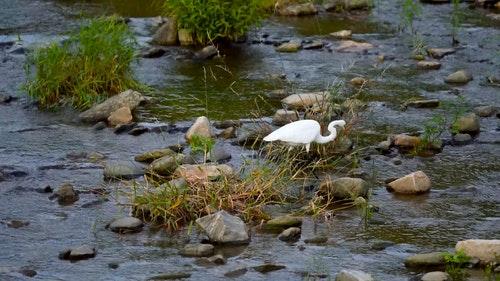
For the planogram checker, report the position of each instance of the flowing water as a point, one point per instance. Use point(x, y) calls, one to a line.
point(35, 145)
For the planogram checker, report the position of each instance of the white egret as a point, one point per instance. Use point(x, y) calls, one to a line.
point(304, 132)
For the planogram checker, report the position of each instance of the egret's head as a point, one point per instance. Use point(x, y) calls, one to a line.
point(340, 123)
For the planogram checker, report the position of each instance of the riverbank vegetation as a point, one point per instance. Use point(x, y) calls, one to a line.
point(87, 67)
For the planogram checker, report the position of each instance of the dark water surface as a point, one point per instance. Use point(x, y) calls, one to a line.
point(463, 204)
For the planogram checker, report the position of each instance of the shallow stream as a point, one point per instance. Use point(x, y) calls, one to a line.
point(35, 144)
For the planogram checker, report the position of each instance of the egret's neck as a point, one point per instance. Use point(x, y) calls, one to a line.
point(329, 138)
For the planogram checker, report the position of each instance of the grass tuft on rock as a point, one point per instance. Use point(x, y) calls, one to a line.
point(89, 66)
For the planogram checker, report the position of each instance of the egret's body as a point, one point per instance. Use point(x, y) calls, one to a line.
point(304, 132)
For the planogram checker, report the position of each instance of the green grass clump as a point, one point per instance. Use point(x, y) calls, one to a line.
point(210, 20)
point(89, 66)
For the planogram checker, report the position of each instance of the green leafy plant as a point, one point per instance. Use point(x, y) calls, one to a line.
point(442, 121)
point(210, 20)
point(455, 262)
point(90, 65)
point(456, 17)
point(410, 10)
point(201, 144)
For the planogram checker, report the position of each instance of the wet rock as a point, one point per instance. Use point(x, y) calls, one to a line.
point(428, 65)
point(167, 165)
point(315, 44)
point(462, 139)
point(124, 128)
point(342, 34)
point(200, 127)
point(171, 276)
point(228, 133)
point(459, 77)
point(153, 52)
point(126, 225)
point(101, 125)
point(166, 34)
point(282, 222)
point(290, 47)
point(414, 183)
point(434, 259)
point(439, 53)
point(282, 117)
point(236, 272)
point(194, 173)
point(223, 228)
point(101, 112)
point(197, 250)
point(138, 130)
point(403, 140)
point(114, 169)
point(66, 194)
point(290, 234)
point(78, 253)
point(436, 276)
point(468, 124)
point(28, 272)
point(487, 251)
point(15, 223)
point(353, 275)
point(343, 5)
point(344, 188)
point(423, 103)
point(215, 259)
point(305, 100)
point(382, 245)
point(150, 156)
point(494, 80)
point(304, 9)
point(485, 111)
point(358, 81)
point(5, 99)
point(121, 116)
point(227, 124)
point(268, 267)
point(347, 46)
point(185, 37)
point(316, 240)
point(218, 155)
point(206, 53)
point(384, 146)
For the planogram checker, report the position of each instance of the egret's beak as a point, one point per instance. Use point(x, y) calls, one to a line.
point(346, 131)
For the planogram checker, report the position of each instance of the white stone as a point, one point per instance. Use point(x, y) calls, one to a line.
point(487, 251)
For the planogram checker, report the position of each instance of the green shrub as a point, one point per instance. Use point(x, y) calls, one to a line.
point(215, 19)
point(90, 65)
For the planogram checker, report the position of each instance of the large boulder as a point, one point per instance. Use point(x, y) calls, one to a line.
point(303, 9)
point(223, 228)
point(353, 275)
point(417, 182)
point(305, 100)
point(126, 225)
point(114, 169)
point(434, 259)
point(468, 124)
point(166, 34)
point(487, 251)
point(102, 111)
point(283, 117)
point(344, 188)
point(200, 127)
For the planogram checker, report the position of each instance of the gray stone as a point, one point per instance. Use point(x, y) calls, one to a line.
point(166, 34)
point(78, 253)
point(459, 77)
point(426, 260)
point(223, 228)
point(102, 111)
point(206, 53)
point(303, 9)
point(197, 250)
point(115, 169)
point(485, 111)
point(200, 127)
point(428, 64)
point(468, 124)
point(290, 234)
point(167, 165)
point(290, 47)
point(66, 194)
point(218, 154)
point(439, 53)
point(344, 188)
point(353, 275)
point(315, 44)
point(282, 117)
point(227, 124)
point(436, 276)
point(152, 155)
point(126, 225)
point(228, 133)
point(414, 183)
point(462, 139)
point(283, 222)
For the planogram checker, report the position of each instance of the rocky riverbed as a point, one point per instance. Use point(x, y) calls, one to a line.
point(46, 152)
